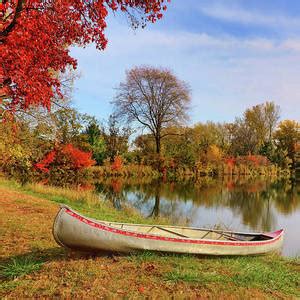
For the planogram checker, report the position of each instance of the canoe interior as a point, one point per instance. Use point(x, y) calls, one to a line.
point(188, 232)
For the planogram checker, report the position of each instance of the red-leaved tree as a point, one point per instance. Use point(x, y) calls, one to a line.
point(65, 165)
point(36, 34)
point(44, 164)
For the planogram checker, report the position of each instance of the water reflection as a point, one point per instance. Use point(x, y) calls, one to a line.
point(236, 203)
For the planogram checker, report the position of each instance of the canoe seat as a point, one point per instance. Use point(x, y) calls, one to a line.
point(219, 235)
point(167, 230)
point(228, 237)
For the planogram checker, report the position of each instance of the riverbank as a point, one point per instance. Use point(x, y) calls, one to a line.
point(181, 173)
point(33, 265)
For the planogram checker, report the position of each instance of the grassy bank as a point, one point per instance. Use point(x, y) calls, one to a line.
point(33, 265)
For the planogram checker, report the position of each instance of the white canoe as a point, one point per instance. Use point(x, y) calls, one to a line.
point(72, 230)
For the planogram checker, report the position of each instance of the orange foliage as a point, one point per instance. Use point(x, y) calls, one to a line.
point(257, 160)
point(117, 164)
point(76, 158)
point(117, 185)
point(43, 165)
point(80, 159)
point(230, 161)
point(86, 187)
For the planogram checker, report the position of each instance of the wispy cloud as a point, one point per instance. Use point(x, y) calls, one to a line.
point(126, 40)
point(291, 44)
point(227, 73)
point(241, 15)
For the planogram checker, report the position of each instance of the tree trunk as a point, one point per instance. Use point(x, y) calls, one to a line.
point(157, 140)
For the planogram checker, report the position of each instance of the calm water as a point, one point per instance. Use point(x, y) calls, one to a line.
point(237, 204)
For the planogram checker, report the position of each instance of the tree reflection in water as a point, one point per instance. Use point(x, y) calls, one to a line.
point(254, 204)
point(256, 201)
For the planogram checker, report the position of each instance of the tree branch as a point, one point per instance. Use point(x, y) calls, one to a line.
point(12, 24)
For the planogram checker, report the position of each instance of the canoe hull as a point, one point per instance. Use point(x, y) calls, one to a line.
point(74, 231)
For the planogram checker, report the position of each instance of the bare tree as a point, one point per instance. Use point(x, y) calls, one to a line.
point(153, 97)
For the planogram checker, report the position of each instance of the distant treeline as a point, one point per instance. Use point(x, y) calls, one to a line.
point(65, 147)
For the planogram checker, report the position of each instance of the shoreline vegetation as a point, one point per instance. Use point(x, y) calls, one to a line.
point(33, 265)
point(66, 148)
point(197, 172)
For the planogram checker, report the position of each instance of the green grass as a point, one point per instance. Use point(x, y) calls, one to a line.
point(263, 273)
point(266, 273)
point(177, 276)
point(199, 277)
point(143, 256)
point(20, 266)
point(271, 276)
point(86, 202)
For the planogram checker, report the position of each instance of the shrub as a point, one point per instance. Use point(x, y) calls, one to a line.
point(256, 160)
point(65, 165)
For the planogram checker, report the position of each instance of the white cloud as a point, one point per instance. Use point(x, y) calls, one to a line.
point(126, 40)
point(240, 15)
point(227, 74)
point(291, 44)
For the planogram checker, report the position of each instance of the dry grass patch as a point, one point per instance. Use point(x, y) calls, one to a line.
point(33, 265)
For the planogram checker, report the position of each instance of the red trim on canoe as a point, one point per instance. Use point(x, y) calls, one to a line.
point(169, 239)
point(273, 234)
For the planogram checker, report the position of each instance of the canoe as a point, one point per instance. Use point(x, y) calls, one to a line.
point(75, 231)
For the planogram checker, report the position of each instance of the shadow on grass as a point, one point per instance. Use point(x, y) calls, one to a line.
point(29, 262)
point(22, 264)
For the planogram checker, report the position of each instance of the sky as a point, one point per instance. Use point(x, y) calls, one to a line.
point(233, 53)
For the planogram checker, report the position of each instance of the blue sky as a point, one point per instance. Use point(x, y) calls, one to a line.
point(233, 53)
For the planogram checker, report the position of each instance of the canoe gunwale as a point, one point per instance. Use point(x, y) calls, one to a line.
point(111, 223)
point(133, 234)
